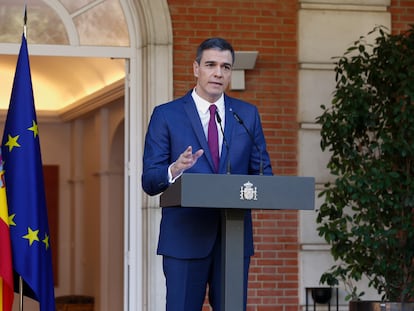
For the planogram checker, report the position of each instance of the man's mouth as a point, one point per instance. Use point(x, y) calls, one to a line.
point(216, 83)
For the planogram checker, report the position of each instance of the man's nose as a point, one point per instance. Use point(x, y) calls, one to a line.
point(219, 71)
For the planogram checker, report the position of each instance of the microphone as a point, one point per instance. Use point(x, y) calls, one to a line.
point(240, 121)
point(225, 142)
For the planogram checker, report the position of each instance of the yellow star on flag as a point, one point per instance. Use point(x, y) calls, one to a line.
point(31, 236)
point(11, 220)
point(12, 142)
point(46, 241)
point(34, 129)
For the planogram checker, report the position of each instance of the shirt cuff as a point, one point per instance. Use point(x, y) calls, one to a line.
point(172, 180)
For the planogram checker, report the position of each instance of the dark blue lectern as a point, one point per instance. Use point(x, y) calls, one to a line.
point(232, 194)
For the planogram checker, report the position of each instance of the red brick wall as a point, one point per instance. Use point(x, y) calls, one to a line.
point(402, 12)
point(269, 27)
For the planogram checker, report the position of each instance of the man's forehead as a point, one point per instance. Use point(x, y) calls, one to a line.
point(217, 56)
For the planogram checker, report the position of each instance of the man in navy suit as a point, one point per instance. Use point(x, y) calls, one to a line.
point(177, 141)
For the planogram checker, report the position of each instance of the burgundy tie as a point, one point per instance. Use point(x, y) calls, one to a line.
point(213, 137)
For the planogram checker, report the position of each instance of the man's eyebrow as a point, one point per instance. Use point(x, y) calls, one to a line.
point(215, 62)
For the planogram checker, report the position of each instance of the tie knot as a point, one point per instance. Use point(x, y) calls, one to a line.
point(212, 109)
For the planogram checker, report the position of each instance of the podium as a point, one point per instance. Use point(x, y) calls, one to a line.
point(233, 194)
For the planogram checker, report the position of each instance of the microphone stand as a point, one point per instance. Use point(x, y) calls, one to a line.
point(238, 119)
point(225, 143)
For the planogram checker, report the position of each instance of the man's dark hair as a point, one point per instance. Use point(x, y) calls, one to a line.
point(215, 44)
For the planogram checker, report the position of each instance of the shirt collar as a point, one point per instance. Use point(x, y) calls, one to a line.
point(203, 105)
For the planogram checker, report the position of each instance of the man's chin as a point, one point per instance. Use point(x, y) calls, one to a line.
point(216, 91)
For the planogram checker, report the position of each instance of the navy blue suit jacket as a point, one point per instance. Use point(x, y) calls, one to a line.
point(191, 232)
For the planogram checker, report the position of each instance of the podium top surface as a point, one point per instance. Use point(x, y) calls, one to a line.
point(241, 191)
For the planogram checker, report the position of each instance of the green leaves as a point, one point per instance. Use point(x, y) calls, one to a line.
point(369, 131)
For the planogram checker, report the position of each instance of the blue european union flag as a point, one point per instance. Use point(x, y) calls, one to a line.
point(29, 228)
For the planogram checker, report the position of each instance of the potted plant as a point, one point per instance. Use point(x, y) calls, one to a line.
point(367, 214)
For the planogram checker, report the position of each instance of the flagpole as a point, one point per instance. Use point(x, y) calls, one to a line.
point(21, 293)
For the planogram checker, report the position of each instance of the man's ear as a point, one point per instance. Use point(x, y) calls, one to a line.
point(195, 68)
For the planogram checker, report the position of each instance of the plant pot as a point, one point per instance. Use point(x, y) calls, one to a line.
point(380, 306)
point(321, 295)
